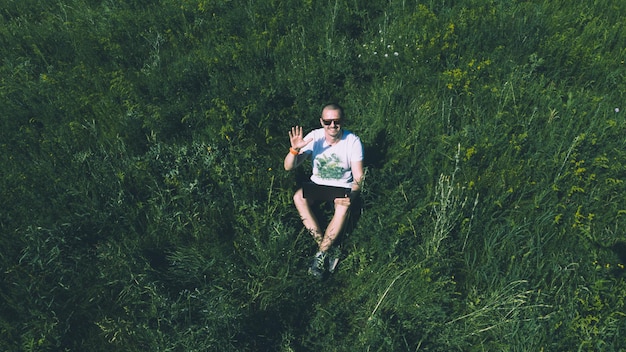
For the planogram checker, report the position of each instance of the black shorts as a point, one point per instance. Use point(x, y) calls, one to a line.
point(314, 191)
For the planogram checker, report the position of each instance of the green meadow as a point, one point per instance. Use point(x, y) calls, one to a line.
point(144, 204)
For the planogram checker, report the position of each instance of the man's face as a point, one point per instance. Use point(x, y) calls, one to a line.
point(331, 122)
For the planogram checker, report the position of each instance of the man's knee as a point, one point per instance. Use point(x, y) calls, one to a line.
point(299, 200)
point(341, 210)
point(342, 203)
point(297, 196)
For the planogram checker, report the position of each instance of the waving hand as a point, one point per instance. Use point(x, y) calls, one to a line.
point(296, 137)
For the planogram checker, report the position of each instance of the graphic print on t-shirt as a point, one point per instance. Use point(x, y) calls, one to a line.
point(329, 166)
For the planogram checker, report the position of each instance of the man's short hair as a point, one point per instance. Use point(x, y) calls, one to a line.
point(334, 106)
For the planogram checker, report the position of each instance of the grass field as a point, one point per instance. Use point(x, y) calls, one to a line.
point(145, 207)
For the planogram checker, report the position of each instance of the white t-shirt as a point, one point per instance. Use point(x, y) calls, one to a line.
point(332, 164)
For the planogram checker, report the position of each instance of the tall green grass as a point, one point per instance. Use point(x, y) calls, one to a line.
point(145, 208)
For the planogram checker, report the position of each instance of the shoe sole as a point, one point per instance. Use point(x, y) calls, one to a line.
point(316, 274)
point(332, 264)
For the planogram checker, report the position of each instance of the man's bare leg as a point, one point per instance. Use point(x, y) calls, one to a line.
point(335, 226)
point(308, 218)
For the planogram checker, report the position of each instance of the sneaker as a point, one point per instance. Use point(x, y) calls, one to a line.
point(317, 267)
point(333, 258)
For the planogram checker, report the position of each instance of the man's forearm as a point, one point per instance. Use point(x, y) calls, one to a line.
point(291, 160)
point(356, 185)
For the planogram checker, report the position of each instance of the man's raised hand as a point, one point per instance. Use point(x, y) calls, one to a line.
point(296, 137)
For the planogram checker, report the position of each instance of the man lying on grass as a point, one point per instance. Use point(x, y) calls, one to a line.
point(337, 157)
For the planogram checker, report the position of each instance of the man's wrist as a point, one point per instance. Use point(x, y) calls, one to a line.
point(294, 151)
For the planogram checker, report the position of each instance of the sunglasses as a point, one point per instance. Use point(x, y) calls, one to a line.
point(328, 122)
